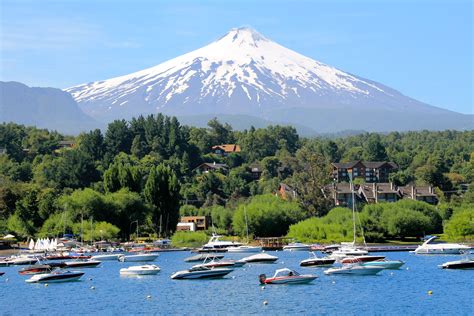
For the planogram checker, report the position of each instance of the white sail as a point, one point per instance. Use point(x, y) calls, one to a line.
point(31, 245)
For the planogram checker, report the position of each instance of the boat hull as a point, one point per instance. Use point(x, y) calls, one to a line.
point(204, 274)
point(106, 257)
point(144, 270)
point(390, 265)
point(301, 279)
point(460, 265)
point(56, 278)
point(138, 258)
point(82, 265)
point(244, 249)
point(362, 271)
point(317, 262)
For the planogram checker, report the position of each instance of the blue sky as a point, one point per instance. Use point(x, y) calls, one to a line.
point(422, 48)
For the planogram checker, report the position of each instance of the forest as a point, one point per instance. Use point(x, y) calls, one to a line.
point(145, 172)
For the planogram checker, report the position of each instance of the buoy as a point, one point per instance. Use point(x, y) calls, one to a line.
point(233, 277)
point(265, 302)
point(263, 288)
point(148, 296)
point(333, 282)
point(430, 292)
point(90, 279)
point(92, 287)
point(391, 273)
point(407, 268)
point(46, 284)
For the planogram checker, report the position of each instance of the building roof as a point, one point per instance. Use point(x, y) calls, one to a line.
point(216, 166)
point(368, 189)
point(228, 148)
point(418, 191)
point(367, 164)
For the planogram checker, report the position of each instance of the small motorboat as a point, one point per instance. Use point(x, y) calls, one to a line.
point(108, 257)
point(358, 259)
point(216, 245)
point(218, 263)
point(35, 269)
point(386, 264)
point(259, 258)
point(148, 269)
point(244, 249)
point(143, 257)
point(467, 263)
point(286, 276)
point(55, 277)
point(82, 263)
point(354, 270)
point(430, 248)
point(24, 260)
point(203, 273)
point(347, 250)
point(297, 246)
point(315, 261)
point(201, 257)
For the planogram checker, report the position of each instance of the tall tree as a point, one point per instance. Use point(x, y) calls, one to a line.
point(162, 191)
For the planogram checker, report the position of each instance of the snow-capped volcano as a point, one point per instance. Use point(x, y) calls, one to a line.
point(241, 73)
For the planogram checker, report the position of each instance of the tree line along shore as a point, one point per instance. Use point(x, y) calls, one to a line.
point(152, 170)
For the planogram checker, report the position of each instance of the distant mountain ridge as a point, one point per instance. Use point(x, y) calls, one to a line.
point(42, 107)
point(244, 73)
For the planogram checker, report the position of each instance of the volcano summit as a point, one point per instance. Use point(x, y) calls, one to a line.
point(244, 73)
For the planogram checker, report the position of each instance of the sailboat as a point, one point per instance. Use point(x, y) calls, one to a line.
point(247, 247)
point(349, 248)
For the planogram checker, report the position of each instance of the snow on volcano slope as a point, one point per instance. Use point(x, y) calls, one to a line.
point(241, 73)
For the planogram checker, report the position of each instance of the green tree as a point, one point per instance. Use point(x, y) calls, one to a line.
point(162, 191)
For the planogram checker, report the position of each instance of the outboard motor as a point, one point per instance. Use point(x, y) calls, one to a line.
point(262, 278)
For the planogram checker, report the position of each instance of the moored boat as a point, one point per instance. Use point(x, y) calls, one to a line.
point(204, 273)
point(35, 269)
point(467, 263)
point(315, 261)
point(55, 277)
point(143, 257)
point(354, 270)
point(82, 263)
point(216, 245)
point(260, 258)
point(357, 259)
point(386, 264)
point(287, 276)
point(218, 263)
point(430, 248)
point(201, 257)
point(244, 248)
point(148, 269)
point(106, 257)
point(297, 246)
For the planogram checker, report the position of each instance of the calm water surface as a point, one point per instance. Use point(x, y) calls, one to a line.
point(393, 292)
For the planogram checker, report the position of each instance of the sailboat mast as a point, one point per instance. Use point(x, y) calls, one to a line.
point(246, 224)
point(353, 208)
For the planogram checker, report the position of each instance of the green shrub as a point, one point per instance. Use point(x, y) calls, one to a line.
point(189, 239)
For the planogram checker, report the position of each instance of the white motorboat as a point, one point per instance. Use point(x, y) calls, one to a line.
point(354, 270)
point(244, 249)
point(218, 263)
point(287, 276)
point(203, 256)
point(108, 257)
point(386, 264)
point(430, 248)
point(82, 264)
point(467, 263)
point(148, 269)
point(347, 250)
point(203, 273)
point(143, 257)
point(259, 258)
point(297, 246)
point(55, 277)
point(216, 245)
point(23, 260)
point(315, 261)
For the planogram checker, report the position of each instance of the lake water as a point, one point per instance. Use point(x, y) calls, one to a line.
point(393, 292)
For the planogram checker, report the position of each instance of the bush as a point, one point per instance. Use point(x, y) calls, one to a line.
point(461, 224)
point(267, 216)
point(336, 226)
point(189, 239)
